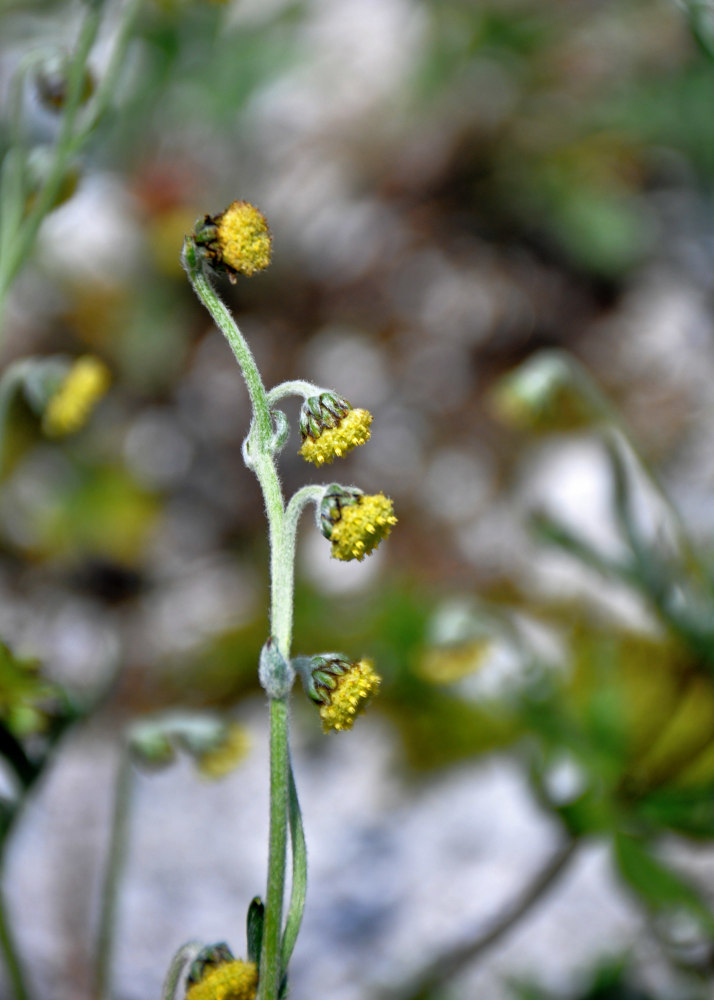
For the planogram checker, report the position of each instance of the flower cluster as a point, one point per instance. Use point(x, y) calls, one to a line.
point(237, 241)
point(354, 522)
point(342, 688)
point(330, 428)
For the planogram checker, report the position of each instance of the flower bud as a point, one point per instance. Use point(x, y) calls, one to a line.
point(275, 673)
point(545, 393)
point(51, 80)
point(237, 241)
point(225, 755)
point(341, 687)
point(209, 957)
point(330, 428)
point(216, 746)
point(355, 523)
point(40, 161)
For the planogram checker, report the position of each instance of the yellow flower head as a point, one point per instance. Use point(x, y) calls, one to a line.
point(340, 687)
point(349, 431)
point(355, 523)
point(234, 980)
point(237, 241)
point(226, 755)
point(78, 393)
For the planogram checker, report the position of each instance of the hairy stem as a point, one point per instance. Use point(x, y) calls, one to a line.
point(298, 387)
point(282, 558)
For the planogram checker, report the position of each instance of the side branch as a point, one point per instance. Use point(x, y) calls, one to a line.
point(453, 960)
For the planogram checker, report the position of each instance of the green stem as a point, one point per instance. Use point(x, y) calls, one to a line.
point(453, 960)
point(112, 878)
point(10, 380)
point(299, 876)
point(18, 250)
point(270, 965)
point(180, 963)
point(298, 387)
point(282, 544)
point(228, 327)
point(11, 956)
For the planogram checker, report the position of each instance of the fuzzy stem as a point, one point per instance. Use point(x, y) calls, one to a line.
point(114, 871)
point(298, 387)
point(263, 426)
point(282, 558)
point(270, 966)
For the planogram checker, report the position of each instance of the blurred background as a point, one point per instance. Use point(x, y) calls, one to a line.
point(453, 187)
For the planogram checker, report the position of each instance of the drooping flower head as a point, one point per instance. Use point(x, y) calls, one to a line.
point(342, 688)
point(237, 241)
point(330, 428)
point(80, 390)
point(216, 975)
point(354, 522)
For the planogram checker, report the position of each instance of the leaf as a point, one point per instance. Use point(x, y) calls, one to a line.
point(255, 920)
point(659, 888)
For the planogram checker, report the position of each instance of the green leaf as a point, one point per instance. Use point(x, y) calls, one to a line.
point(659, 888)
point(255, 921)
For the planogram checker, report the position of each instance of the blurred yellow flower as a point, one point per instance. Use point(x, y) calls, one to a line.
point(230, 981)
point(79, 392)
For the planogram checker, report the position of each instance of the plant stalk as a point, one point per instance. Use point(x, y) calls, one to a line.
point(114, 871)
point(282, 557)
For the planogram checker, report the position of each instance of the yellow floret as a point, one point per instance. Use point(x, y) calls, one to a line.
point(351, 431)
point(229, 981)
point(82, 388)
point(361, 527)
point(243, 238)
point(354, 691)
point(225, 757)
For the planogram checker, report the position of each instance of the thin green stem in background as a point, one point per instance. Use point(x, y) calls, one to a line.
point(116, 860)
point(17, 249)
point(18, 234)
point(11, 955)
point(454, 960)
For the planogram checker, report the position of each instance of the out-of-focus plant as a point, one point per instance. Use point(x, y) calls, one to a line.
point(34, 714)
point(217, 746)
point(615, 721)
point(33, 181)
point(238, 242)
